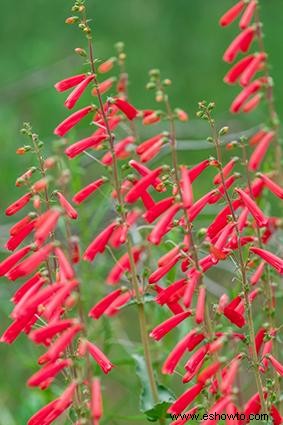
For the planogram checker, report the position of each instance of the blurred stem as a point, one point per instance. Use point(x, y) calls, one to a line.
point(192, 246)
point(40, 160)
point(134, 279)
point(244, 281)
point(270, 307)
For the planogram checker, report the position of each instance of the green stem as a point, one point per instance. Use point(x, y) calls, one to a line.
point(244, 281)
point(134, 280)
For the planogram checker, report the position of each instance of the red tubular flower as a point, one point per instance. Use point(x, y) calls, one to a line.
point(82, 145)
point(119, 150)
point(150, 117)
point(168, 256)
point(70, 82)
point(234, 73)
point(171, 293)
point(27, 266)
point(220, 191)
point(185, 400)
point(33, 304)
point(198, 206)
point(34, 289)
point(77, 92)
point(152, 152)
point(60, 345)
point(46, 225)
point(69, 209)
point(272, 259)
point(65, 126)
point(253, 405)
point(18, 205)
point(248, 14)
point(47, 374)
point(84, 193)
point(220, 220)
point(119, 236)
point(147, 200)
point(144, 146)
point(98, 309)
point(100, 358)
point(123, 265)
point(163, 225)
point(187, 191)
point(234, 317)
point(252, 103)
point(26, 287)
point(253, 208)
point(196, 359)
point(276, 364)
point(217, 249)
point(208, 372)
point(259, 338)
point(230, 376)
point(276, 416)
point(120, 301)
point(200, 305)
point(64, 265)
point(17, 239)
point(162, 271)
point(239, 100)
point(126, 108)
point(141, 186)
point(186, 343)
point(257, 274)
point(272, 186)
point(103, 87)
point(256, 138)
point(198, 169)
point(216, 410)
point(96, 401)
point(158, 209)
point(252, 68)
point(144, 171)
point(65, 400)
point(191, 286)
point(106, 66)
point(161, 330)
point(14, 330)
point(231, 411)
point(41, 417)
point(241, 43)
point(226, 170)
point(44, 335)
point(232, 13)
point(99, 243)
point(259, 153)
point(54, 306)
point(16, 228)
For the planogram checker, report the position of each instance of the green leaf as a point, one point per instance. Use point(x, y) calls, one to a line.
point(152, 410)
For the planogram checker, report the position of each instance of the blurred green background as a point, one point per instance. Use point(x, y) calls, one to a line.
point(180, 37)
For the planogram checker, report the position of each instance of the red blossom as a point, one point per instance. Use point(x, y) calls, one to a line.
point(232, 13)
point(65, 126)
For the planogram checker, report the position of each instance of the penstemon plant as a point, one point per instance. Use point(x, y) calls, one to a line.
point(226, 346)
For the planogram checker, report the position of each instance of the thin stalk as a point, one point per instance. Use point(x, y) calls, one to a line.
point(134, 279)
point(192, 246)
point(244, 281)
point(267, 282)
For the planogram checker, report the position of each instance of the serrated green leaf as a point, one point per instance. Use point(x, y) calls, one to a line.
point(152, 410)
